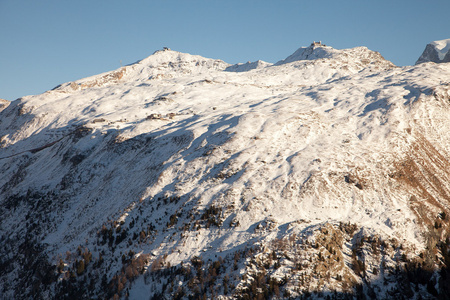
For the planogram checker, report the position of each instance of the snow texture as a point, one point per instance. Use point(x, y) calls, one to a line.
point(321, 137)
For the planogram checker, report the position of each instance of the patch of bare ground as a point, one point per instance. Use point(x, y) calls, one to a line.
point(426, 174)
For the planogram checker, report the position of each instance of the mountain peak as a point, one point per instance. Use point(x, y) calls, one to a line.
point(436, 51)
point(314, 51)
point(356, 58)
point(165, 63)
point(168, 60)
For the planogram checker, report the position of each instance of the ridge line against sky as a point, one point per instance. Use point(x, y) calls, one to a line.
point(48, 42)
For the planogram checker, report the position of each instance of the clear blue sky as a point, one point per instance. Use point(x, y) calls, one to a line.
point(48, 42)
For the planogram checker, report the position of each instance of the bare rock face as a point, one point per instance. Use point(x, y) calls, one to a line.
point(437, 51)
point(3, 104)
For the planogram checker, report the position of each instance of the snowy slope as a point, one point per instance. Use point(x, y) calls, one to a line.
point(248, 66)
point(175, 162)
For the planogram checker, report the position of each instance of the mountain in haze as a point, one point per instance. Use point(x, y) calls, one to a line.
point(325, 175)
point(437, 51)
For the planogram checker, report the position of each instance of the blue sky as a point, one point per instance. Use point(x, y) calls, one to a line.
point(48, 42)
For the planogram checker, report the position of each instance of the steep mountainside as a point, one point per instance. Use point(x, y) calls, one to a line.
point(324, 175)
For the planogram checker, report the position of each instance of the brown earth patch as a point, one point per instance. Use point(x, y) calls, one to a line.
point(425, 174)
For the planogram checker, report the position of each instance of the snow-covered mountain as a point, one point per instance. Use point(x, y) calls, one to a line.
point(437, 51)
point(326, 175)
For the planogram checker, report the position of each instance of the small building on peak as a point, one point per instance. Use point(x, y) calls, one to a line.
point(315, 44)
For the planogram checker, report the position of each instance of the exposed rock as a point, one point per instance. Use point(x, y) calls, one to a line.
point(4, 104)
point(437, 51)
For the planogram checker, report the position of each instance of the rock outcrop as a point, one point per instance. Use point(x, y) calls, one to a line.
point(437, 51)
point(3, 104)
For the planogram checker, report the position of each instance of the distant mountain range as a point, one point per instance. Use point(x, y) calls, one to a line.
point(324, 176)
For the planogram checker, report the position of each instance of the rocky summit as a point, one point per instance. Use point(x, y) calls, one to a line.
point(323, 176)
point(437, 51)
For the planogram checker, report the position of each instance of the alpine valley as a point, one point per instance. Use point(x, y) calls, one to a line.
point(324, 176)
